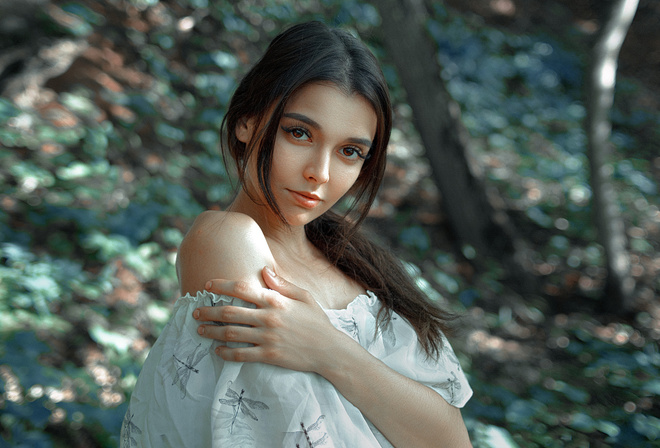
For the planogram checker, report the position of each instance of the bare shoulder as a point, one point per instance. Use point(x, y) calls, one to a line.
point(223, 245)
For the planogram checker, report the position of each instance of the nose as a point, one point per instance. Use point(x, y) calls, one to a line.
point(317, 169)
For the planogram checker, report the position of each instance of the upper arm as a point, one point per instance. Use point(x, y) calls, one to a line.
point(224, 245)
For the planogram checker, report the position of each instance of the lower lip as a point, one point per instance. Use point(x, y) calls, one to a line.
point(304, 201)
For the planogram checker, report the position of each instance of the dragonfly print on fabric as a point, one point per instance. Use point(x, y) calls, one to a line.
point(128, 429)
point(183, 369)
point(452, 385)
point(241, 406)
point(304, 436)
point(453, 359)
point(387, 330)
point(350, 326)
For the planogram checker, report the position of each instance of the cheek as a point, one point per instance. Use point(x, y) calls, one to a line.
point(345, 179)
point(285, 165)
point(363, 178)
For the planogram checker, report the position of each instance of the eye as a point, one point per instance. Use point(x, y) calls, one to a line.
point(353, 153)
point(297, 133)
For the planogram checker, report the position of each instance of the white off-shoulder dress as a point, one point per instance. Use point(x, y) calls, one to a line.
point(187, 396)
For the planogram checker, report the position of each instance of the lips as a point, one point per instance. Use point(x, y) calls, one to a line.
point(305, 199)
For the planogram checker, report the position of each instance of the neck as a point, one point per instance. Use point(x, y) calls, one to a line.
point(292, 238)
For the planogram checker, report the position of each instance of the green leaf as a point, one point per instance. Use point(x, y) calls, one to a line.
point(652, 386)
point(119, 342)
point(7, 110)
point(446, 281)
point(582, 422)
point(608, 428)
point(647, 425)
point(224, 60)
point(575, 394)
point(491, 436)
point(168, 132)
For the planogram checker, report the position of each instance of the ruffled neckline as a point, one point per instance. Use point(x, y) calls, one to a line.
point(203, 294)
point(366, 300)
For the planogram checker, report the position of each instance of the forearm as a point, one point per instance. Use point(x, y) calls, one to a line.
point(293, 332)
point(405, 411)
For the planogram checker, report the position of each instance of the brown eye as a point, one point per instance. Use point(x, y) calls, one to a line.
point(352, 153)
point(297, 133)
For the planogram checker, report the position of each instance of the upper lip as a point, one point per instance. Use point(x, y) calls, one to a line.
point(307, 194)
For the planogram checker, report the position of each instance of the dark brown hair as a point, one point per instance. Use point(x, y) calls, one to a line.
point(308, 53)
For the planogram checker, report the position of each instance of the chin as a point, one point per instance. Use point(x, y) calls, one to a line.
point(301, 219)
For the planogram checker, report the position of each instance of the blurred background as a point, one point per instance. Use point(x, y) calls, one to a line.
point(109, 117)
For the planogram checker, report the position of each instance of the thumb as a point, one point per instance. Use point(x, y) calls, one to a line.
point(285, 287)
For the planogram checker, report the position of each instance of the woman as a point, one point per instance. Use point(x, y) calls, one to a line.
point(353, 355)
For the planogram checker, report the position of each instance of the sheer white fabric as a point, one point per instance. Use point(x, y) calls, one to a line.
point(187, 396)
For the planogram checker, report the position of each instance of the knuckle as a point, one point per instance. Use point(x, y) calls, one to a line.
point(239, 355)
point(270, 338)
point(231, 333)
point(241, 287)
point(274, 300)
point(271, 355)
point(271, 320)
point(303, 294)
point(227, 314)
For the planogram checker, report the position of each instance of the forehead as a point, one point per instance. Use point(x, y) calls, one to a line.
point(335, 110)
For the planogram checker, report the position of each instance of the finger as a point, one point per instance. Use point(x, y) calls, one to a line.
point(247, 354)
point(285, 287)
point(226, 315)
point(247, 291)
point(230, 333)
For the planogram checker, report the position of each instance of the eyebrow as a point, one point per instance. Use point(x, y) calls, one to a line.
point(305, 119)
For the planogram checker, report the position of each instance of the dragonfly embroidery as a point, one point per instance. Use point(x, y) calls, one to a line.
point(350, 326)
point(313, 427)
point(129, 428)
point(185, 368)
point(387, 330)
point(243, 404)
point(451, 385)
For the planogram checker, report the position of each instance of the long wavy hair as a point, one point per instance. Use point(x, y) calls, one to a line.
point(309, 53)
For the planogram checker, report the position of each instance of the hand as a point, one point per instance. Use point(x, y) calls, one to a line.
point(288, 328)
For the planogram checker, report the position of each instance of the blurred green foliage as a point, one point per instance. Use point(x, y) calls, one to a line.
point(100, 184)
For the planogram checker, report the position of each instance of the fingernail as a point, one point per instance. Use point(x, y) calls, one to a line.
point(270, 272)
point(208, 285)
point(196, 314)
point(200, 330)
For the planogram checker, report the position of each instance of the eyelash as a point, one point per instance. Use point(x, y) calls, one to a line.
point(290, 130)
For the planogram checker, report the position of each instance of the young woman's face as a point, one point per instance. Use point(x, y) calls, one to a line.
point(323, 139)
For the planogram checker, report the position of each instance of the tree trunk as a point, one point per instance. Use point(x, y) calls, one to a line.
point(600, 96)
point(474, 220)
